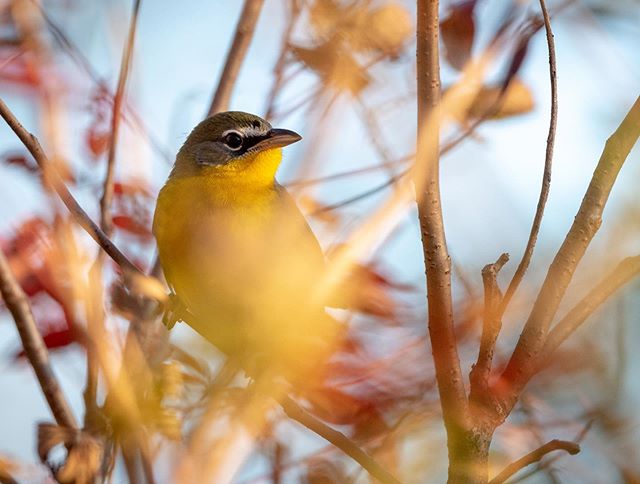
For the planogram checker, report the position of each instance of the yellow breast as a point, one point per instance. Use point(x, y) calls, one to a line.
point(239, 254)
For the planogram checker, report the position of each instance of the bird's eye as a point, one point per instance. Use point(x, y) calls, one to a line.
point(233, 140)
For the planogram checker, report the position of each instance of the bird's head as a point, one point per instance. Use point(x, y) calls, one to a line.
point(233, 144)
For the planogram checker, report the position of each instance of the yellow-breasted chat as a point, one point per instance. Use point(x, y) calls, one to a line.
point(236, 250)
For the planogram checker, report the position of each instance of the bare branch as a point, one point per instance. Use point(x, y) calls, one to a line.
point(18, 304)
point(107, 194)
point(278, 70)
point(621, 275)
point(551, 460)
point(523, 362)
point(548, 162)
point(235, 56)
point(535, 456)
point(361, 196)
point(437, 261)
point(342, 442)
point(51, 176)
point(492, 323)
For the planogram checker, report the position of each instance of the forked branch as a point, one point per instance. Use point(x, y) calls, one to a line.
point(491, 325)
point(53, 179)
point(587, 222)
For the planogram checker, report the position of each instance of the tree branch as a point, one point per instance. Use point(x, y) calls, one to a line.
point(18, 304)
point(235, 56)
point(338, 439)
point(535, 456)
point(107, 193)
point(437, 261)
point(491, 325)
point(523, 362)
point(621, 275)
point(548, 162)
point(51, 176)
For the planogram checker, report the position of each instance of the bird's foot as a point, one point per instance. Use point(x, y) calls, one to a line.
point(174, 312)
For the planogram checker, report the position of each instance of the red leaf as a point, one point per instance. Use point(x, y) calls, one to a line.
point(369, 291)
point(458, 32)
point(97, 141)
point(21, 160)
point(29, 253)
point(132, 226)
point(54, 339)
point(335, 406)
point(18, 68)
point(132, 189)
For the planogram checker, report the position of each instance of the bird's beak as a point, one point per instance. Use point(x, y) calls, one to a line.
point(277, 138)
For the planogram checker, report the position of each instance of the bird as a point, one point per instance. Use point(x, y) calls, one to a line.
point(236, 251)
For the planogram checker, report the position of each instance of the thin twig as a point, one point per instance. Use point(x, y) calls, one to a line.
point(479, 376)
point(278, 70)
point(342, 442)
point(18, 304)
point(360, 196)
point(523, 362)
point(548, 162)
point(235, 56)
point(106, 222)
point(621, 275)
point(535, 456)
point(53, 178)
point(128, 113)
point(305, 182)
point(446, 148)
point(436, 257)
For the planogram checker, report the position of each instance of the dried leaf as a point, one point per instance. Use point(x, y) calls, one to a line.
point(387, 29)
point(458, 32)
point(325, 16)
point(334, 64)
point(492, 103)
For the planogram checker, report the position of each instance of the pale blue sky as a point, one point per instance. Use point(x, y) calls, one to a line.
point(489, 187)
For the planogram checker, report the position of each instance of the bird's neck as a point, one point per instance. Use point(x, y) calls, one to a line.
point(261, 169)
point(255, 171)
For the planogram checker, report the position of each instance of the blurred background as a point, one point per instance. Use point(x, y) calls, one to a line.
point(341, 73)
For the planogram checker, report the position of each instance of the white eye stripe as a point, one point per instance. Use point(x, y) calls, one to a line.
point(229, 131)
point(249, 131)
